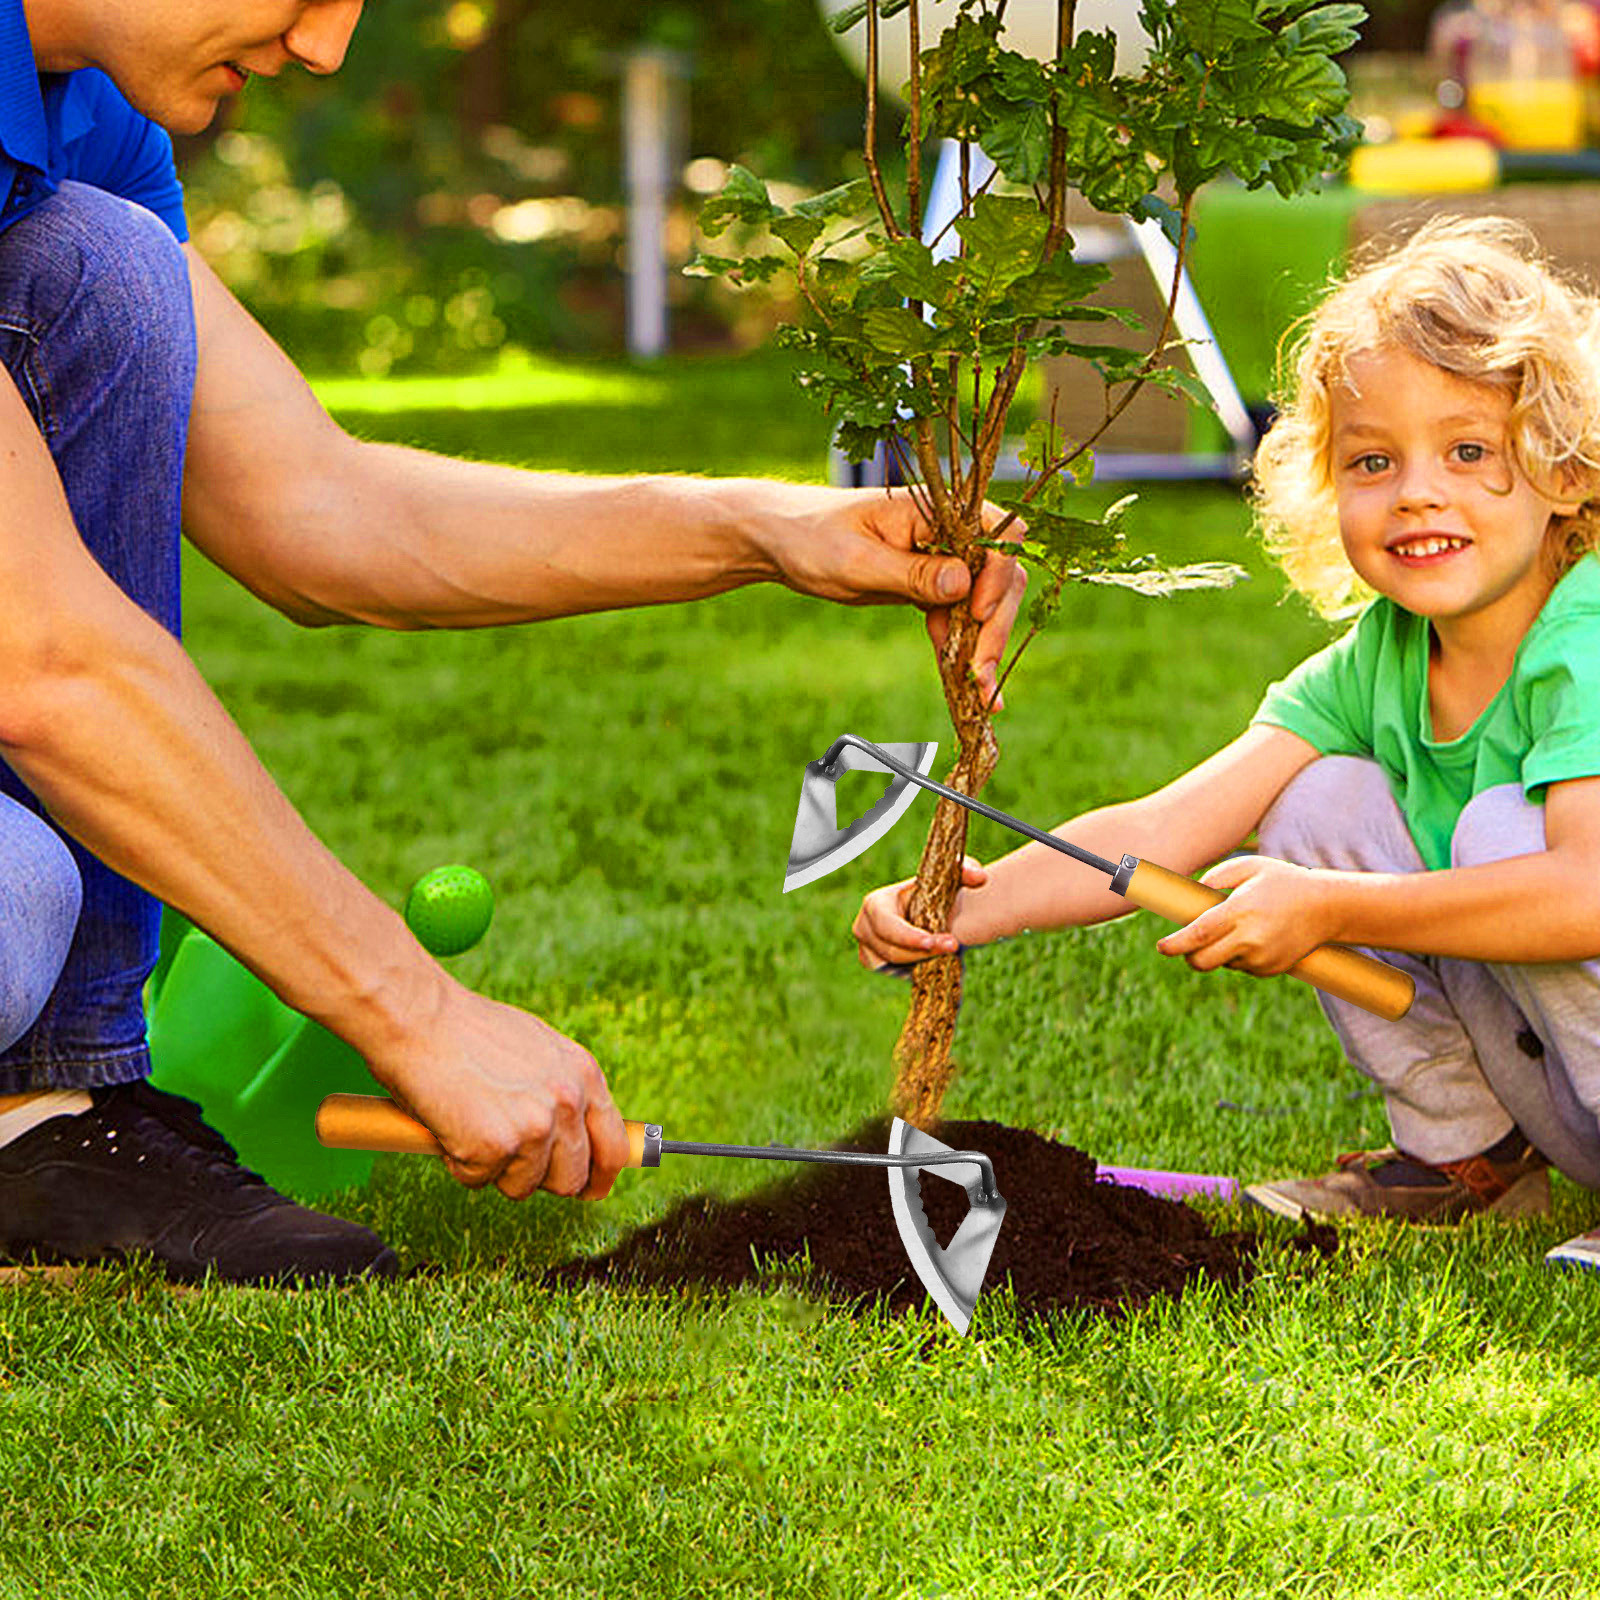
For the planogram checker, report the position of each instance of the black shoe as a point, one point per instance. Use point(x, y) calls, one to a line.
point(140, 1171)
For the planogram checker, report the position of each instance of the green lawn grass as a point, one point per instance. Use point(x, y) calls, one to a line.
point(1416, 1418)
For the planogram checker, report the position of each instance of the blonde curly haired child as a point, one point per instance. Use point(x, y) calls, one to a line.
point(1429, 784)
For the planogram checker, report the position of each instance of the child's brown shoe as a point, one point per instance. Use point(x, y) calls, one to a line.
point(1510, 1180)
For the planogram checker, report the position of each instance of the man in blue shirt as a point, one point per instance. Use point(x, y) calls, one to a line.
point(138, 388)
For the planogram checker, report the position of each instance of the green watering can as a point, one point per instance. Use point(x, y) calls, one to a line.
point(259, 1069)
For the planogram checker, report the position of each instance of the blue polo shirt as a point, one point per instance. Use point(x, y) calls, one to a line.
point(60, 125)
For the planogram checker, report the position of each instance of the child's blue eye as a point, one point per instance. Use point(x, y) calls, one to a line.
point(1470, 453)
point(1372, 463)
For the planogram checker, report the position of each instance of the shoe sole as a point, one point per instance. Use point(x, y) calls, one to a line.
point(1566, 1260)
point(383, 1268)
point(1527, 1197)
point(10, 1277)
point(1266, 1198)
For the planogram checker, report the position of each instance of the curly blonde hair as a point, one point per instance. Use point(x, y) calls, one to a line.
point(1474, 297)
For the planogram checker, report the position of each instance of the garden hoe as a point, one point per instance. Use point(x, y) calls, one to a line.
point(952, 1274)
point(820, 845)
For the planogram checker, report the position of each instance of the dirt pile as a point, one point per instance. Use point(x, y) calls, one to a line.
point(1069, 1242)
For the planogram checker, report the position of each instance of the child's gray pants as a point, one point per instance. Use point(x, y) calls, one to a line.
point(1486, 1044)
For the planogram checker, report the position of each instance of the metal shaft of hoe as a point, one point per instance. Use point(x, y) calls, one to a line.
point(985, 1187)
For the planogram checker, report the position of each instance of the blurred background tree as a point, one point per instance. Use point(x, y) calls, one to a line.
point(458, 187)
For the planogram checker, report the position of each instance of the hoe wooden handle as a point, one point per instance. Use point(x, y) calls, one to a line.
point(1346, 974)
point(369, 1122)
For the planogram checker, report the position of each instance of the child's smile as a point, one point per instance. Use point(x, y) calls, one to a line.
point(1434, 511)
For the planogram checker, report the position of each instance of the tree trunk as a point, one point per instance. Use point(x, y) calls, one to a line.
point(924, 1070)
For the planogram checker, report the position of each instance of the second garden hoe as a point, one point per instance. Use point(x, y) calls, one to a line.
point(951, 1273)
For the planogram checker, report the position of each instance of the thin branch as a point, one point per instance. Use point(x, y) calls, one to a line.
point(1066, 12)
point(914, 135)
point(953, 418)
point(1010, 667)
point(806, 293)
point(983, 188)
point(870, 138)
point(908, 478)
point(1033, 631)
point(943, 516)
point(986, 451)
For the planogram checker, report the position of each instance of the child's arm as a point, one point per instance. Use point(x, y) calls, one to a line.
point(1533, 908)
point(1195, 819)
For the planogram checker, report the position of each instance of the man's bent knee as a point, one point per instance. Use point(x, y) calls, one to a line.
point(41, 895)
point(93, 273)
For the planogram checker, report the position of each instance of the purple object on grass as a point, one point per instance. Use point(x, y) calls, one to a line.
point(1175, 1185)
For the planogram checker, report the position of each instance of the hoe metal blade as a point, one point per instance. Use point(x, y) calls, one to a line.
point(953, 1273)
point(820, 844)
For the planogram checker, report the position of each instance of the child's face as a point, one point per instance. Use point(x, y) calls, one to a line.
point(1433, 509)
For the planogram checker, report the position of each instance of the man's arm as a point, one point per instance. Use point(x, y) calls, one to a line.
point(107, 721)
point(327, 529)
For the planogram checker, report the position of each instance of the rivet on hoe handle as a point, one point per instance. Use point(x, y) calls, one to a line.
point(952, 1274)
point(820, 845)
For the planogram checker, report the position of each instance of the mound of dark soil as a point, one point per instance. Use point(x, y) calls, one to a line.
point(1068, 1241)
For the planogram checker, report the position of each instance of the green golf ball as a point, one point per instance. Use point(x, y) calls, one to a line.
point(449, 909)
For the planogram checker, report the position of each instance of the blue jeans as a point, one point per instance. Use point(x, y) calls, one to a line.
point(97, 332)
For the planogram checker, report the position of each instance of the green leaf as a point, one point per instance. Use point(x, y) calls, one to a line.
point(798, 232)
point(1181, 381)
point(1297, 91)
point(899, 332)
point(1055, 288)
point(1042, 608)
point(1108, 164)
point(1115, 363)
point(840, 201)
point(1004, 237)
point(1067, 545)
point(908, 267)
point(1018, 141)
point(1213, 25)
point(1039, 445)
point(1329, 29)
point(1171, 220)
point(858, 443)
point(852, 15)
point(743, 198)
point(1118, 509)
point(739, 270)
point(1243, 149)
point(959, 77)
point(1161, 581)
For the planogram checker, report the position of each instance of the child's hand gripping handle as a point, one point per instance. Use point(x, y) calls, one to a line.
point(1346, 974)
point(369, 1122)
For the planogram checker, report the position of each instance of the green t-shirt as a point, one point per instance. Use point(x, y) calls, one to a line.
point(1366, 694)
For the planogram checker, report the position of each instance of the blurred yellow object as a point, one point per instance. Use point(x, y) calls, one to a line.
point(1530, 113)
point(1417, 124)
point(1425, 166)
